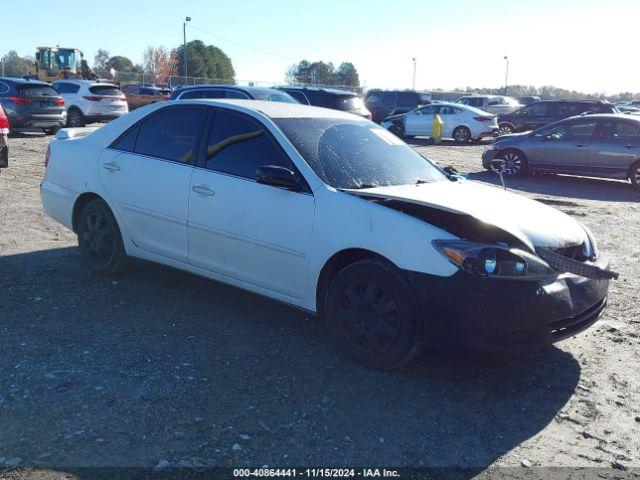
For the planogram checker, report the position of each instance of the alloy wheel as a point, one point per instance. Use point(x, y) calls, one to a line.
point(462, 135)
point(505, 130)
point(636, 175)
point(98, 237)
point(512, 163)
point(74, 119)
point(370, 317)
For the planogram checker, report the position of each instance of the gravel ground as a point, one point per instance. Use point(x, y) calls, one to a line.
point(160, 366)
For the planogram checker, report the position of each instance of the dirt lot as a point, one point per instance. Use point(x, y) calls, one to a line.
point(163, 367)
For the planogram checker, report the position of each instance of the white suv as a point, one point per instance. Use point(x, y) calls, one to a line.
point(495, 104)
point(88, 101)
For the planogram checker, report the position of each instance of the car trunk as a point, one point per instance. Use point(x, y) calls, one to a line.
point(40, 100)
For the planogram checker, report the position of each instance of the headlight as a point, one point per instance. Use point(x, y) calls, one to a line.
point(494, 261)
point(593, 254)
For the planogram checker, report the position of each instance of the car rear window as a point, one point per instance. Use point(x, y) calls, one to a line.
point(37, 90)
point(106, 90)
point(347, 103)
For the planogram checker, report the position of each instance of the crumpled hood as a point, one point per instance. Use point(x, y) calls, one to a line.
point(532, 222)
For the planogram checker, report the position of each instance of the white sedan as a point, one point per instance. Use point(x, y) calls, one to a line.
point(461, 123)
point(328, 212)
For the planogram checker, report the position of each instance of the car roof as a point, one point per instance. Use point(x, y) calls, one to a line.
point(221, 86)
point(332, 91)
point(20, 80)
point(91, 83)
point(275, 109)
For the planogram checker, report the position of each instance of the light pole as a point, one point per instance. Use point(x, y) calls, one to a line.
point(506, 75)
point(184, 45)
point(414, 73)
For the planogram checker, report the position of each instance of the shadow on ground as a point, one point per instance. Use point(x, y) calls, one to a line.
point(163, 365)
point(565, 186)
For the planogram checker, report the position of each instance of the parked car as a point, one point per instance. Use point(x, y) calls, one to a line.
point(88, 101)
point(635, 103)
point(594, 145)
point(382, 103)
point(461, 123)
point(4, 142)
point(140, 96)
point(231, 91)
point(388, 248)
point(495, 104)
point(329, 98)
point(527, 99)
point(543, 113)
point(32, 104)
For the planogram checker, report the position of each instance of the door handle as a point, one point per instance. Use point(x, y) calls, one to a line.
point(203, 190)
point(112, 167)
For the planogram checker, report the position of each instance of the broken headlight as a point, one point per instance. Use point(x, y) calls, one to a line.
point(494, 261)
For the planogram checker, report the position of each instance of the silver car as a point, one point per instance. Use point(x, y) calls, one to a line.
point(605, 145)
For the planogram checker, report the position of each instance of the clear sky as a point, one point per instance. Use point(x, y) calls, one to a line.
point(587, 45)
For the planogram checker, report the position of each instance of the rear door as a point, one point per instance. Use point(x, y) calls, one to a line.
point(615, 147)
point(147, 174)
point(241, 229)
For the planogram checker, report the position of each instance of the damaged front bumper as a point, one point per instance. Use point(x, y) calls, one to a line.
point(505, 315)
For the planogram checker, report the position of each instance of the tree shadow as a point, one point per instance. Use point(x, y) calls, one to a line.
point(567, 186)
point(163, 365)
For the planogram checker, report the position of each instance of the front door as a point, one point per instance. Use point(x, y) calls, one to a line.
point(147, 175)
point(419, 121)
point(564, 147)
point(256, 233)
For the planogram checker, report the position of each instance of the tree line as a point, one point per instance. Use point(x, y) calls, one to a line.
point(321, 73)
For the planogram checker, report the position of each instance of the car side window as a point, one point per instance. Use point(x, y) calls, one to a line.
point(576, 130)
point(407, 99)
point(171, 133)
point(190, 94)
point(62, 88)
point(298, 96)
point(623, 131)
point(426, 111)
point(534, 109)
point(389, 99)
point(237, 94)
point(127, 141)
point(238, 145)
point(447, 110)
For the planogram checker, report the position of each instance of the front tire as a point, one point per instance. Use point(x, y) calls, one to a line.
point(462, 135)
point(505, 129)
point(515, 163)
point(75, 119)
point(372, 314)
point(100, 240)
point(634, 175)
point(51, 131)
point(397, 129)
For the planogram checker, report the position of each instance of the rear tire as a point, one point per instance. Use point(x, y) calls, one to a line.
point(462, 135)
point(634, 175)
point(372, 314)
point(99, 239)
point(75, 119)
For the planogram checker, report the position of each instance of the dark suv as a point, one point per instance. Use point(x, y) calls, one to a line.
point(543, 113)
point(32, 104)
point(382, 103)
point(329, 98)
point(231, 91)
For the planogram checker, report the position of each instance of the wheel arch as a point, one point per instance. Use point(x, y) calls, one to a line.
point(337, 262)
point(80, 203)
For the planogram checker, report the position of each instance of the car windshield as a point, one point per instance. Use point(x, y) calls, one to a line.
point(353, 154)
point(273, 96)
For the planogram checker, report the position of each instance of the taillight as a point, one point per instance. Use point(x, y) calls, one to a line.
point(483, 119)
point(20, 100)
point(47, 156)
point(4, 122)
point(93, 98)
point(59, 102)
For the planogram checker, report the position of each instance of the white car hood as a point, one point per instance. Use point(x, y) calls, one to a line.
point(532, 222)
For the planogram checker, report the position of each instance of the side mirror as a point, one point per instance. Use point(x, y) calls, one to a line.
point(277, 176)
